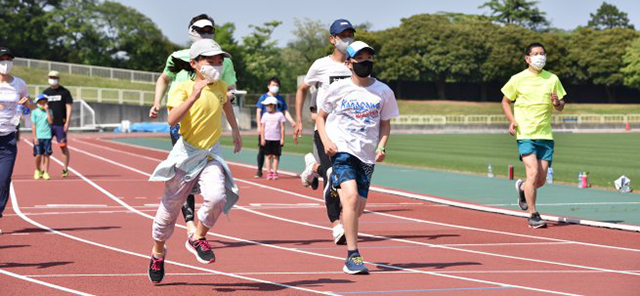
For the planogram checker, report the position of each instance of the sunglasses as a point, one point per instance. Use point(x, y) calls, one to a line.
point(204, 30)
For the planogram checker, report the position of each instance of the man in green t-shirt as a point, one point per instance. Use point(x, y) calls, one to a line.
point(536, 93)
point(200, 27)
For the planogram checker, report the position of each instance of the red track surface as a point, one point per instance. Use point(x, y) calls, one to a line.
point(277, 241)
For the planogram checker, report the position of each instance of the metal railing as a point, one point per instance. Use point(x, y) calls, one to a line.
point(476, 119)
point(87, 70)
point(103, 95)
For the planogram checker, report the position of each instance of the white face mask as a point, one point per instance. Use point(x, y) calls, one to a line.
point(538, 61)
point(5, 67)
point(342, 44)
point(274, 89)
point(194, 36)
point(53, 82)
point(211, 73)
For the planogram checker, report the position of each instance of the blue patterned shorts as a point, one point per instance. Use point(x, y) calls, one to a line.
point(347, 167)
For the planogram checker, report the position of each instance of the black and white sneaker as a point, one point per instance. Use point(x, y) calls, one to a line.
point(201, 249)
point(522, 201)
point(156, 269)
point(535, 221)
point(339, 238)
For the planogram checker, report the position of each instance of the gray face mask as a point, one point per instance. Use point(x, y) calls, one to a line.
point(194, 36)
point(342, 44)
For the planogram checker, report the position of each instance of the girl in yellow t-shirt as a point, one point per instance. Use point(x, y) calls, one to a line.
point(197, 106)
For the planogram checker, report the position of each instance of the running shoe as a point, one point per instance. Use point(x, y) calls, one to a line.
point(535, 221)
point(355, 265)
point(37, 175)
point(201, 249)
point(156, 269)
point(274, 176)
point(329, 191)
point(308, 174)
point(522, 201)
point(46, 176)
point(65, 173)
point(269, 176)
point(339, 238)
point(258, 175)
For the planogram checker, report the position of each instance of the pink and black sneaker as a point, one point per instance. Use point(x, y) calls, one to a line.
point(202, 250)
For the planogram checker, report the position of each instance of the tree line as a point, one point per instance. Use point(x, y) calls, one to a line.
point(440, 48)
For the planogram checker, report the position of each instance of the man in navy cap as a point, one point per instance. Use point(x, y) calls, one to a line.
point(322, 73)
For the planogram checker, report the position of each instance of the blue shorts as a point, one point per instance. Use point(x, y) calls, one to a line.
point(43, 147)
point(347, 167)
point(543, 149)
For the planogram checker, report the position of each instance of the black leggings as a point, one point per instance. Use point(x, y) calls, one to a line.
point(260, 155)
point(333, 204)
point(189, 206)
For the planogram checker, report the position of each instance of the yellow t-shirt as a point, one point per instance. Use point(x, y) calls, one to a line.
point(201, 126)
point(532, 95)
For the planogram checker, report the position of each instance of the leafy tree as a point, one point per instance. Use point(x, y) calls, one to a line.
point(261, 57)
point(631, 59)
point(597, 61)
point(609, 16)
point(310, 43)
point(517, 12)
point(23, 25)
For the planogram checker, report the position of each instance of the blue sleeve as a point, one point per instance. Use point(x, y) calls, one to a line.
point(283, 102)
point(259, 103)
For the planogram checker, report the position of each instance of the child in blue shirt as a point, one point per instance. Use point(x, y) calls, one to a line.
point(41, 118)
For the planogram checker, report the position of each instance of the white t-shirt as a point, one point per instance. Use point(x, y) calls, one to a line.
point(324, 72)
point(10, 94)
point(354, 117)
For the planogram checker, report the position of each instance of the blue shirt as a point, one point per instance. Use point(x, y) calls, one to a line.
point(282, 104)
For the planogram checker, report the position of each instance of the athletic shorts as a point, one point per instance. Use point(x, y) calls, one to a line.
point(272, 148)
point(43, 147)
point(543, 149)
point(60, 134)
point(347, 167)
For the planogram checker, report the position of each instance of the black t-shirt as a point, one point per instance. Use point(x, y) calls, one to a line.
point(58, 100)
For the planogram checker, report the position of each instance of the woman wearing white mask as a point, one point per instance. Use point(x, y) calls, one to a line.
point(196, 105)
point(323, 73)
point(536, 92)
point(13, 93)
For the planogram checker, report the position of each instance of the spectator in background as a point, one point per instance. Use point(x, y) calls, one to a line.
point(61, 104)
point(41, 129)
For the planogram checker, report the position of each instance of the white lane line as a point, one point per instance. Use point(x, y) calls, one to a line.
point(304, 273)
point(283, 204)
point(17, 210)
point(392, 192)
point(61, 288)
point(576, 203)
point(109, 194)
point(70, 206)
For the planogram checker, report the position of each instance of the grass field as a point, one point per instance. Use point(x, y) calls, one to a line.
point(466, 108)
point(605, 156)
point(39, 77)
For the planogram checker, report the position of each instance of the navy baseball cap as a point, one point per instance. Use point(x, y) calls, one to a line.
point(6, 51)
point(42, 97)
point(339, 26)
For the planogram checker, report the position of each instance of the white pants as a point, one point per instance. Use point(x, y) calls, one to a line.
point(176, 190)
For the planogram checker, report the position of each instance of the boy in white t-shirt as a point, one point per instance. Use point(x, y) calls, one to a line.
point(354, 123)
point(324, 72)
point(272, 136)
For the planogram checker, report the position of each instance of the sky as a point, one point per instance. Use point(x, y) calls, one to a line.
point(173, 18)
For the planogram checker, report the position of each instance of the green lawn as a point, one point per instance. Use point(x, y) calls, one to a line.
point(35, 76)
point(605, 156)
point(466, 108)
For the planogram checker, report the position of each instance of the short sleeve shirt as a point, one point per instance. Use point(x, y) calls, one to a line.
point(324, 72)
point(355, 112)
point(228, 71)
point(39, 119)
point(201, 126)
point(533, 107)
point(10, 94)
point(59, 98)
point(271, 122)
point(281, 106)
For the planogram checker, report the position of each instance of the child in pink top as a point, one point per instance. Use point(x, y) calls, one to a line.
point(272, 136)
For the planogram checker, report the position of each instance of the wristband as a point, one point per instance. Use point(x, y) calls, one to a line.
point(381, 149)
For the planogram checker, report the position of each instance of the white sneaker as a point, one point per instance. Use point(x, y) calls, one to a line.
point(338, 235)
point(307, 175)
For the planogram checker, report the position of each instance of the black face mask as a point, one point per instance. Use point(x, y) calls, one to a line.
point(363, 69)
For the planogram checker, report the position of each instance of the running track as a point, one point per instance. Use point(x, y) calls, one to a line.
point(90, 235)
